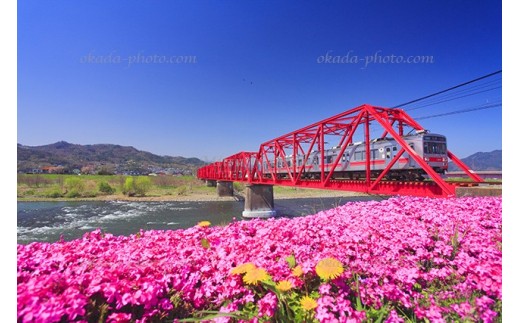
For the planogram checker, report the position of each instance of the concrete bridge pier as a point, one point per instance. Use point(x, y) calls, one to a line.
point(259, 201)
point(210, 183)
point(224, 188)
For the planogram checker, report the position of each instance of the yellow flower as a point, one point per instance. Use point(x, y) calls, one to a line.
point(204, 224)
point(255, 275)
point(297, 271)
point(329, 268)
point(243, 268)
point(284, 285)
point(308, 303)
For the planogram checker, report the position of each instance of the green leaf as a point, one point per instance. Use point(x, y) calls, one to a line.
point(381, 315)
point(205, 243)
point(291, 260)
point(215, 314)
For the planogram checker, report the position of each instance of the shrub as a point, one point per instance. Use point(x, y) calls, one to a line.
point(90, 194)
point(128, 187)
point(72, 194)
point(142, 185)
point(74, 184)
point(104, 187)
point(53, 193)
point(136, 186)
point(238, 187)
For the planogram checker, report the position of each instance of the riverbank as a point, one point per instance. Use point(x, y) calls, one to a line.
point(55, 187)
point(279, 193)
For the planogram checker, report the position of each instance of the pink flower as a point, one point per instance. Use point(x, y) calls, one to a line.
point(267, 305)
point(395, 250)
point(119, 317)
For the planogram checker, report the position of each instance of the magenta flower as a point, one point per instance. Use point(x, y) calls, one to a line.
point(396, 253)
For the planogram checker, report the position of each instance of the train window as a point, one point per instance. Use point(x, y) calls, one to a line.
point(359, 155)
point(434, 138)
point(434, 148)
point(373, 154)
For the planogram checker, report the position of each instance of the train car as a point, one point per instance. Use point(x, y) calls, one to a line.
point(432, 148)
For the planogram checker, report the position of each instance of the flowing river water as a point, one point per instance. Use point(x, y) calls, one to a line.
point(52, 221)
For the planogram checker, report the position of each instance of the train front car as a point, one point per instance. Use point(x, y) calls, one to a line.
point(435, 151)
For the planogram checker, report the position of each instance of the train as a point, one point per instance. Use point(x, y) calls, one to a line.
point(430, 147)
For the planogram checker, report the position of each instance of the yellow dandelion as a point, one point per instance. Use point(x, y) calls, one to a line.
point(297, 271)
point(308, 303)
point(243, 268)
point(204, 224)
point(255, 275)
point(329, 268)
point(284, 285)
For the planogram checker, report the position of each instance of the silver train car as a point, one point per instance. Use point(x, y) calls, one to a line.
point(432, 148)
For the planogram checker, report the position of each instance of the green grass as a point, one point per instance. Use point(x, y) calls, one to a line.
point(52, 186)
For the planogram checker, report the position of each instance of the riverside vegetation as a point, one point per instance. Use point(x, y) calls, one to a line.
point(56, 186)
point(52, 187)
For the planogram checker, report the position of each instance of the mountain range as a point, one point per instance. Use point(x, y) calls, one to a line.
point(94, 158)
point(481, 161)
point(66, 157)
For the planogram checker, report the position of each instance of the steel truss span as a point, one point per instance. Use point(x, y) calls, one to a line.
point(393, 163)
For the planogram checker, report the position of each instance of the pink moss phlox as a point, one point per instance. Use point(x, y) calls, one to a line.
point(419, 255)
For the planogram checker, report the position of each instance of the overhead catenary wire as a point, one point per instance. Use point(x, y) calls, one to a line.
point(458, 92)
point(453, 97)
point(446, 90)
point(460, 111)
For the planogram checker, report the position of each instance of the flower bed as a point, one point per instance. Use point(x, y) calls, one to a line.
point(395, 260)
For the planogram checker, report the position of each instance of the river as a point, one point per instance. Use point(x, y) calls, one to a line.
point(52, 221)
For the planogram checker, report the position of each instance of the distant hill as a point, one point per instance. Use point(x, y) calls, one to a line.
point(66, 157)
point(112, 158)
point(481, 161)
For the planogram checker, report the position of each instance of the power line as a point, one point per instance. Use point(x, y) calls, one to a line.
point(449, 89)
point(461, 111)
point(457, 93)
point(451, 99)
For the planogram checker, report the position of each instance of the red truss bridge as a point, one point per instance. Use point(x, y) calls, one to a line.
point(393, 163)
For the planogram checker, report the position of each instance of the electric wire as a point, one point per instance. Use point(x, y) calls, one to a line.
point(463, 90)
point(460, 111)
point(446, 90)
point(456, 96)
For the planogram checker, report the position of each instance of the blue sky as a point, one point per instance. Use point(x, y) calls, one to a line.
point(210, 109)
point(96, 72)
